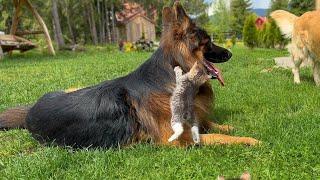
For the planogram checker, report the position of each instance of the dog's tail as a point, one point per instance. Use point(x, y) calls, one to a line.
point(285, 21)
point(14, 118)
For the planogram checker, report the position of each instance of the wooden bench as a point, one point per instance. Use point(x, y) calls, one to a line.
point(10, 42)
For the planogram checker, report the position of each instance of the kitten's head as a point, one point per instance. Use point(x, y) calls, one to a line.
point(244, 176)
point(198, 74)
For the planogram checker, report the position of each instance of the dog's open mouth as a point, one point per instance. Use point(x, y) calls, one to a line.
point(214, 71)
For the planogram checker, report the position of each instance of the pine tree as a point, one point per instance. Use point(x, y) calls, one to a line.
point(299, 7)
point(250, 36)
point(270, 36)
point(278, 4)
point(240, 9)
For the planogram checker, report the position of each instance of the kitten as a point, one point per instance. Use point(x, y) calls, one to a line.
point(244, 176)
point(182, 100)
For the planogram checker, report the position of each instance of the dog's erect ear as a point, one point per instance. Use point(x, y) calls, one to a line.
point(167, 17)
point(181, 15)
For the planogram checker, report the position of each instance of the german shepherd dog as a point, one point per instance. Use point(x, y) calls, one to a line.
point(305, 39)
point(133, 108)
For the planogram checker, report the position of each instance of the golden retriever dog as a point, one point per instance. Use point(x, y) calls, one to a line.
point(304, 32)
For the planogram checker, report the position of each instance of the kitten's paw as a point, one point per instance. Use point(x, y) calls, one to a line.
point(178, 130)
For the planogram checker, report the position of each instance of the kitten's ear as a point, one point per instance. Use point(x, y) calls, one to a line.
point(220, 178)
point(245, 176)
point(194, 70)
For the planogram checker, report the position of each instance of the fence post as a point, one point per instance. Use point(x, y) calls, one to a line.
point(1, 53)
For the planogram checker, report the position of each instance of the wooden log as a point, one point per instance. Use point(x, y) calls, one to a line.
point(42, 24)
point(15, 19)
point(22, 33)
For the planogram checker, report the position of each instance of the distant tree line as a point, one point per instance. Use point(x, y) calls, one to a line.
point(237, 18)
point(270, 36)
point(88, 21)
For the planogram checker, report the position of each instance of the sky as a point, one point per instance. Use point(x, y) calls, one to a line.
point(256, 3)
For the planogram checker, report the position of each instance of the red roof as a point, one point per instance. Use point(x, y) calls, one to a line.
point(260, 22)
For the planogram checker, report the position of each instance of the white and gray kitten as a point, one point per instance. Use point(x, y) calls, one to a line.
point(182, 100)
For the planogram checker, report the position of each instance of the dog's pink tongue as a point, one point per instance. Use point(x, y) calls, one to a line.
point(219, 74)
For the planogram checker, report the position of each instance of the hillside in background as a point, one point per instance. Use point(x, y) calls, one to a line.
point(260, 12)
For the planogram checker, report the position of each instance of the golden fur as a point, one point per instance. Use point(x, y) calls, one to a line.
point(304, 32)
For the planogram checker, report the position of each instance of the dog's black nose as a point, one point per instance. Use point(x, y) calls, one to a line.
point(228, 55)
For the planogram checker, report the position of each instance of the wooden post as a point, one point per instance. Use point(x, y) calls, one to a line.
point(42, 24)
point(1, 53)
point(15, 19)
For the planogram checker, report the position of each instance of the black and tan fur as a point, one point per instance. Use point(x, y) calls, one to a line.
point(135, 107)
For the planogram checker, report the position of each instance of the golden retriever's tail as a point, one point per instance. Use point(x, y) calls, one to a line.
point(285, 21)
point(14, 118)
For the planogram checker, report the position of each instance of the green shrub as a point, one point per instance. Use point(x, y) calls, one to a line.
point(234, 39)
point(250, 36)
point(270, 36)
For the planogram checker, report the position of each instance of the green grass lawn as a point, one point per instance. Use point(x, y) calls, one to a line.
point(263, 105)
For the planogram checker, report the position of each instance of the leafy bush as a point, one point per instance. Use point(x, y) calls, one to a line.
point(267, 37)
point(234, 39)
point(250, 36)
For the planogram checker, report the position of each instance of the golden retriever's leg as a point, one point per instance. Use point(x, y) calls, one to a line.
point(316, 72)
point(296, 69)
point(210, 139)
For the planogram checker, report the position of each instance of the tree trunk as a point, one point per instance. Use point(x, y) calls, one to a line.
point(93, 24)
point(1, 53)
point(67, 6)
point(107, 22)
point(15, 19)
point(43, 26)
point(55, 38)
point(103, 24)
point(56, 23)
point(114, 33)
point(317, 4)
point(73, 38)
point(99, 22)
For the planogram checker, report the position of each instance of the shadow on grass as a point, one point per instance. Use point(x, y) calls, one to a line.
point(222, 115)
point(307, 78)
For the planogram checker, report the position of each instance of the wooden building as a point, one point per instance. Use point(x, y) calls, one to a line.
point(133, 23)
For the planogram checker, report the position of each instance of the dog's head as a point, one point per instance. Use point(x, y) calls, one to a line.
point(188, 42)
